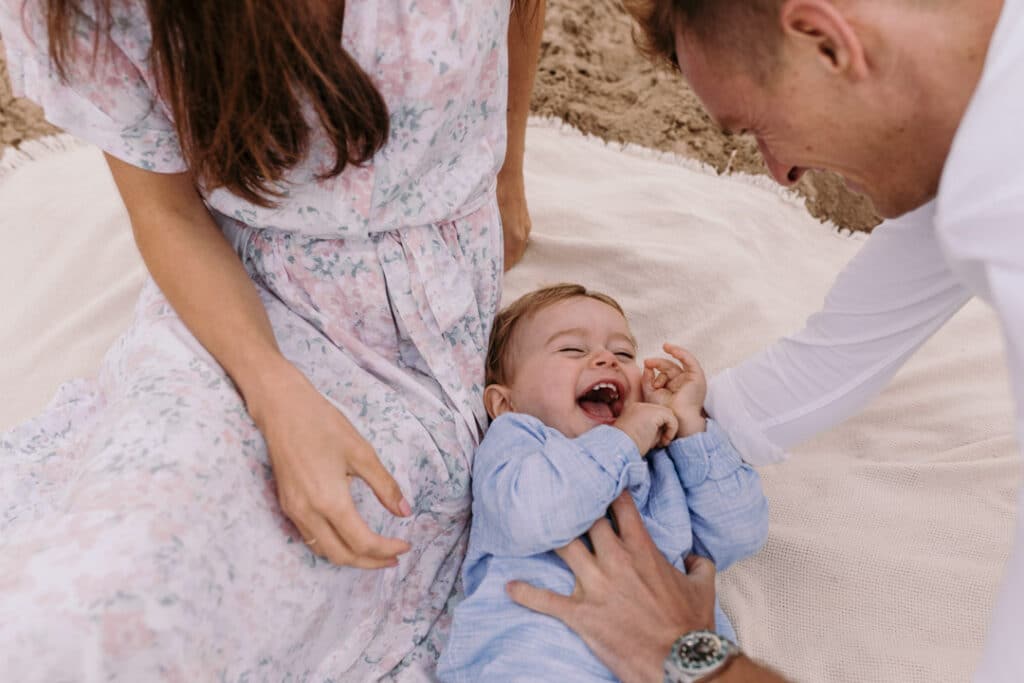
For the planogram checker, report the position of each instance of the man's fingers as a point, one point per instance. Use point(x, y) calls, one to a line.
point(580, 560)
point(700, 568)
point(627, 518)
point(367, 466)
point(540, 600)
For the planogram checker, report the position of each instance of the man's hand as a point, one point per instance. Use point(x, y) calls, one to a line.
point(629, 604)
point(680, 386)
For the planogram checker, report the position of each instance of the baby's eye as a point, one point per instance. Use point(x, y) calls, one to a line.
point(626, 355)
point(570, 349)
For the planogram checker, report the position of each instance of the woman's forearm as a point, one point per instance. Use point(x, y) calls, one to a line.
point(202, 277)
point(526, 27)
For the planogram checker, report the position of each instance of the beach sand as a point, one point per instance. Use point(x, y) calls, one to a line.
point(592, 77)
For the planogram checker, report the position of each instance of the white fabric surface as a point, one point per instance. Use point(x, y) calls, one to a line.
point(888, 534)
point(65, 293)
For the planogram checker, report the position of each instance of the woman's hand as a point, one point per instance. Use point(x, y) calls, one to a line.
point(315, 451)
point(680, 386)
point(515, 216)
point(629, 604)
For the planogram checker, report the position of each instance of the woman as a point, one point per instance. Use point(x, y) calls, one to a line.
point(320, 223)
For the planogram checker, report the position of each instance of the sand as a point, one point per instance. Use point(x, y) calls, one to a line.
point(592, 76)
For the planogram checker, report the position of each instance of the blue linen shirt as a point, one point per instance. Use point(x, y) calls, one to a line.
point(534, 490)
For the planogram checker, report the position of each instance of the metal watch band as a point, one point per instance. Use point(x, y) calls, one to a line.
point(698, 656)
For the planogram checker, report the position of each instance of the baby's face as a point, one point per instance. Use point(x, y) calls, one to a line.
point(573, 366)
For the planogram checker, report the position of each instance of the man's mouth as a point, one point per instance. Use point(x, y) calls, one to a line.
point(603, 401)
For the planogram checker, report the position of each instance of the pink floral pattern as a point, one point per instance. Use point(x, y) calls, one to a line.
point(140, 536)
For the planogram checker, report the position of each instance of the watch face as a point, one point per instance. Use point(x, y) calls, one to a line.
point(699, 652)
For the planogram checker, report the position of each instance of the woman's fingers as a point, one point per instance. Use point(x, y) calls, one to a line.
point(353, 531)
point(365, 464)
point(319, 535)
point(322, 539)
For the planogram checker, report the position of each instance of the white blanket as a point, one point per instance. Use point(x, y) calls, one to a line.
point(887, 535)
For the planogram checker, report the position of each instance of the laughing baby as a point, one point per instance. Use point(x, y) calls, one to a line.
point(577, 421)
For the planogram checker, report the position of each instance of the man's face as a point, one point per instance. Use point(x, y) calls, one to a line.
point(573, 366)
point(808, 117)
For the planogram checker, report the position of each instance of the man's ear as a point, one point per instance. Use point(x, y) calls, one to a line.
point(497, 400)
point(819, 28)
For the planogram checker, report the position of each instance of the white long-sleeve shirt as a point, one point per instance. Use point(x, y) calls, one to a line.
point(910, 277)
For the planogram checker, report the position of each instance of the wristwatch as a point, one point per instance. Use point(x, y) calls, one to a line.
point(698, 656)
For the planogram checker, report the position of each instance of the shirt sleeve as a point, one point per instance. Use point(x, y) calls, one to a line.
point(535, 489)
point(109, 101)
point(728, 509)
point(980, 224)
point(893, 295)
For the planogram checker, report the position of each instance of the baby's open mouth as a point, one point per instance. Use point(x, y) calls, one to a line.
point(602, 401)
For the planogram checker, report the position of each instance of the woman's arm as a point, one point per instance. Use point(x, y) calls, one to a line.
point(526, 27)
point(313, 448)
point(893, 296)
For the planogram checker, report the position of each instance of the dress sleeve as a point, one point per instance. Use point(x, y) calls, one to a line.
point(894, 294)
point(109, 101)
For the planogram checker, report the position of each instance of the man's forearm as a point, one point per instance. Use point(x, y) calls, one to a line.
point(744, 670)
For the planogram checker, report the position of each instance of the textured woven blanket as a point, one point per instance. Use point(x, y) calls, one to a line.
point(888, 534)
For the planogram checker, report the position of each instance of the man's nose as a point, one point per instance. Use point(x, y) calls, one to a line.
point(784, 174)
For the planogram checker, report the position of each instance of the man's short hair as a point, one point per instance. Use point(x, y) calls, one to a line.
point(748, 29)
point(499, 349)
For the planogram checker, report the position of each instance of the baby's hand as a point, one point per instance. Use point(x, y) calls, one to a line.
point(648, 425)
point(680, 386)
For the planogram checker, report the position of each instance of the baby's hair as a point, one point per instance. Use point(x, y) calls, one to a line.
point(505, 323)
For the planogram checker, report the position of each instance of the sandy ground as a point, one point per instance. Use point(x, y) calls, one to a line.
point(591, 76)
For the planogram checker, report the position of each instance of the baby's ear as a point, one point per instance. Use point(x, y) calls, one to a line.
point(497, 400)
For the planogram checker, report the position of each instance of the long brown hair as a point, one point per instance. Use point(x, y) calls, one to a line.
point(237, 76)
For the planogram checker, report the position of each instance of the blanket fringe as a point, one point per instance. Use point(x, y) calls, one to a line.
point(32, 150)
point(760, 181)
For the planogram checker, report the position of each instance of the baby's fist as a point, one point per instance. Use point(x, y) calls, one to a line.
point(649, 425)
point(679, 385)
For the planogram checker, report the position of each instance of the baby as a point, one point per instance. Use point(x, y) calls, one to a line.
point(576, 421)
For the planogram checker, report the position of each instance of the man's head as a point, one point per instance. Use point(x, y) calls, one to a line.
point(873, 90)
point(564, 355)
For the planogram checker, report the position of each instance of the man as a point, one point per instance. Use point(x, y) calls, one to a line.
point(918, 104)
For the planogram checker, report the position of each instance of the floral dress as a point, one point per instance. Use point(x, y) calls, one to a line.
point(140, 535)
